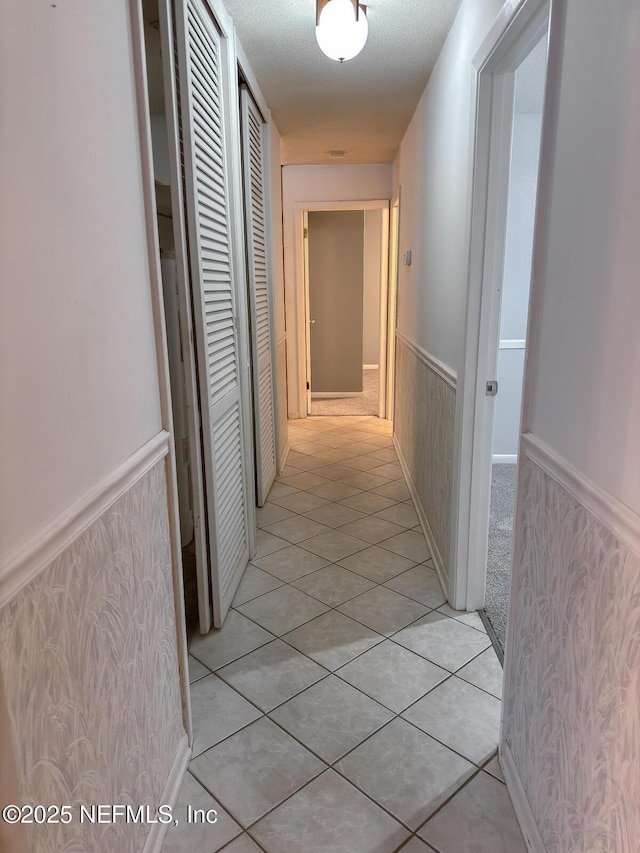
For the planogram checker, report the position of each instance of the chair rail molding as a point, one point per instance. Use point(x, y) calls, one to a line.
point(26, 563)
point(623, 521)
point(443, 370)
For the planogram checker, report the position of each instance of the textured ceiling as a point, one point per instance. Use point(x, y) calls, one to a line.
point(361, 107)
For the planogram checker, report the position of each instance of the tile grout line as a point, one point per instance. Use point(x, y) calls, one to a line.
point(380, 638)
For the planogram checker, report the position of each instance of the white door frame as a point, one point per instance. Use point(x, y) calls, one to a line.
point(301, 308)
point(388, 323)
point(162, 357)
point(516, 31)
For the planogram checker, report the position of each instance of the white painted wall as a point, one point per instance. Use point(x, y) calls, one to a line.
point(523, 179)
point(584, 399)
point(372, 283)
point(78, 377)
point(525, 150)
point(434, 170)
point(332, 183)
point(318, 183)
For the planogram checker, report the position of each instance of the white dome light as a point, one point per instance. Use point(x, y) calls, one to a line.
point(338, 33)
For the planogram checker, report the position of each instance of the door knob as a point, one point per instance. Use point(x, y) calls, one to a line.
point(311, 322)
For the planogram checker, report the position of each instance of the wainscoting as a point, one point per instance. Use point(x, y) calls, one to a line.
point(283, 421)
point(425, 402)
point(571, 732)
point(89, 662)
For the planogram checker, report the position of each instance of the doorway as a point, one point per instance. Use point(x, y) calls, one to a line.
point(511, 72)
point(198, 182)
point(345, 277)
point(514, 311)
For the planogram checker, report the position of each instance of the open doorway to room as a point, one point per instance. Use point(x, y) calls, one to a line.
point(514, 311)
point(346, 259)
point(511, 76)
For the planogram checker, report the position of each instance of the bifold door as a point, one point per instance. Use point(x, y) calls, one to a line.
point(204, 126)
point(253, 160)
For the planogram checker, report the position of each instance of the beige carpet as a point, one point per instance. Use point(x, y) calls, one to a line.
point(363, 404)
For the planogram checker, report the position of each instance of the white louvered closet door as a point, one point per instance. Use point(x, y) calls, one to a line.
point(204, 125)
point(253, 160)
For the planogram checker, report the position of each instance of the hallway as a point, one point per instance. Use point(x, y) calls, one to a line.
point(344, 706)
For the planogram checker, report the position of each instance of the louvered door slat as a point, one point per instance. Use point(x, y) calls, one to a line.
point(214, 296)
point(257, 265)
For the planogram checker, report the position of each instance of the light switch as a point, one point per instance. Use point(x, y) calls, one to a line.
point(406, 259)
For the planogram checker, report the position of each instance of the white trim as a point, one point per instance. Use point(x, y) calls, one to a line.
point(383, 306)
point(371, 367)
point(623, 522)
point(504, 459)
point(389, 322)
point(443, 370)
point(367, 204)
point(323, 395)
point(162, 356)
point(516, 29)
point(285, 456)
point(296, 297)
point(222, 17)
point(158, 831)
point(26, 563)
point(521, 806)
point(252, 83)
point(436, 556)
point(512, 344)
point(281, 456)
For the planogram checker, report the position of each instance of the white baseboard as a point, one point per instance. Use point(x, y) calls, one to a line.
point(285, 456)
point(328, 395)
point(158, 831)
point(504, 459)
point(526, 819)
point(438, 562)
point(370, 366)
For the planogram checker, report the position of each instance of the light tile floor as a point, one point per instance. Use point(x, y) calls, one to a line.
point(344, 707)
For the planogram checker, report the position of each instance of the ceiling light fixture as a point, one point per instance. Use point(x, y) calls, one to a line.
point(341, 28)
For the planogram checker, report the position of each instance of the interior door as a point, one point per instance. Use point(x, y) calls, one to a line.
point(204, 120)
point(253, 161)
point(185, 319)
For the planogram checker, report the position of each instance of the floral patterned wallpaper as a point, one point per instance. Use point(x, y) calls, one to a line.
point(572, 700)
point(89, 662)
point(424, 427)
